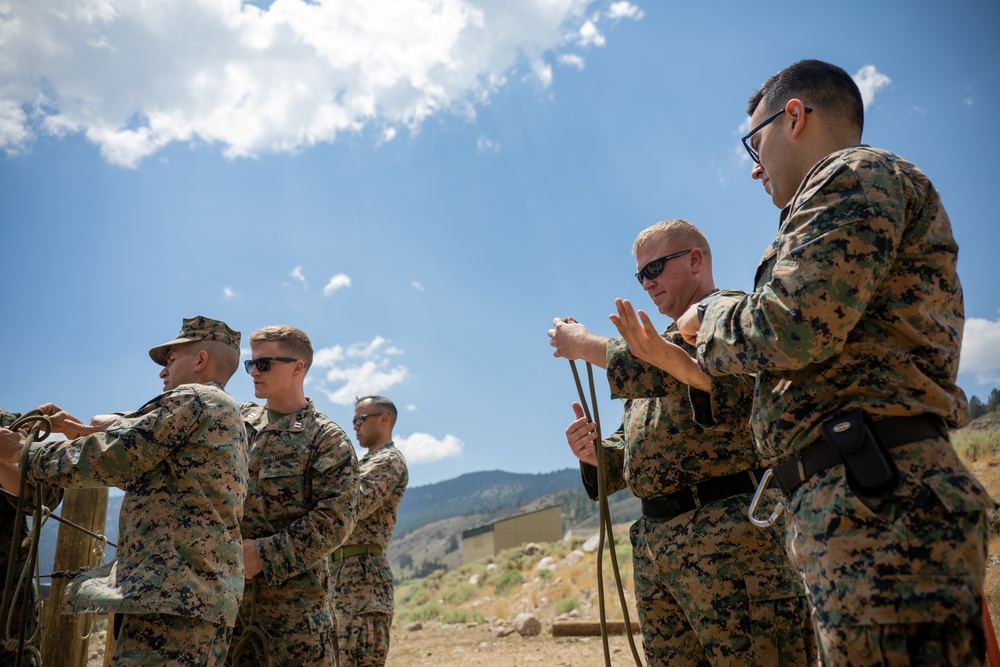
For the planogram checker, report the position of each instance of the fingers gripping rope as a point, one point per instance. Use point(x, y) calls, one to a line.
point(605, 522)
point(19, 643)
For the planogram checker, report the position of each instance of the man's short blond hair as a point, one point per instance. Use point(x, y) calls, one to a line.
point(677, 231)
point(293, 342)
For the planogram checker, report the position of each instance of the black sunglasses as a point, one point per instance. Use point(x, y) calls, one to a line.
point(360, 419)
point(754, 155)
point(263, 364)
point(655, 268)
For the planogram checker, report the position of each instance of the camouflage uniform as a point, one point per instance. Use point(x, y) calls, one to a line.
point(51, 496)
point(858, 305)
point(182, 461)
point(301, 505)
point(710, 587)
point(361, 591)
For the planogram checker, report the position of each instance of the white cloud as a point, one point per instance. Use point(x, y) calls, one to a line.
point(336, 282)
point(543, 72)
point(298, 275)
point(417, 286)
point(425, 448)
point(981, 350)
point(870, 81)
point(625, 10)
point(410, 408)
point(486, 145)
point(571, 60)
point(134, 77)
point(590, 35)
point(968, 101)
point(360, 369)
point(228, 293)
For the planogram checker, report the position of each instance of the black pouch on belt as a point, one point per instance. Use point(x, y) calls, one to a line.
point(870, 468)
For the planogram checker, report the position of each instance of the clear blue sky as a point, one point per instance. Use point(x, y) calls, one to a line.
point(422, 187)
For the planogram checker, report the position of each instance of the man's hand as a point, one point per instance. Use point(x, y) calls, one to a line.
point(11, 444)
point(572, 341)
point(688, 324)
point(251, 559)
point(580, 436)
point(646, 343)
point(65, 423)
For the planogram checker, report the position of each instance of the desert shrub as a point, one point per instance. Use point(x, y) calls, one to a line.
point(566, 605)
point(455, 616)
point(425, 612)
point(544, 573)
point(506, 582)
point(458, 593)
point(412, 594)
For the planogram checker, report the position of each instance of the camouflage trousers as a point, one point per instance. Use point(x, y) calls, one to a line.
point(165, 639)
point(713, 589)
point(294, 639)
point(361, 594)
point(895, 579)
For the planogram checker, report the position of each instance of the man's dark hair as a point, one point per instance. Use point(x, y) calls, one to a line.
point(382, 404)
point(818, 84)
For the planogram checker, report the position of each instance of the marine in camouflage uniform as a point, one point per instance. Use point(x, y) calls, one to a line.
point(182, 460)
point(711, 589)
point(28, 601)
point(301, 505)
point(858, 304)
point(361, 589)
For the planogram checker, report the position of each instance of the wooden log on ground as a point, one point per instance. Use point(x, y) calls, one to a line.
point(61, 641)
point(590, 628)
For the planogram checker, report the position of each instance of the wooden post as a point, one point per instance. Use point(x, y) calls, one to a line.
point(61, 641)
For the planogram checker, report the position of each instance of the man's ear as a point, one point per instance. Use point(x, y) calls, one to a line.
point(201, 361)
point(697, 260)
point(796, 110)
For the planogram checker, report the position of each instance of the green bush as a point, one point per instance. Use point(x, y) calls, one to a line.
point(425, 612)
point(458, 593)
point(544, 573)
point(566, 605)
point(455, 616)
point(506, 582)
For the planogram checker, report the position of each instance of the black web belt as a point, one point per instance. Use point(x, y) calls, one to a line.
point(703, 493)
point(817, 457)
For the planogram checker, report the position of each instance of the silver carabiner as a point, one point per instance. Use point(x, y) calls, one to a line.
point(758, 494)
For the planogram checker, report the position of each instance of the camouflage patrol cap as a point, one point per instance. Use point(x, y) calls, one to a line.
point(197, 328)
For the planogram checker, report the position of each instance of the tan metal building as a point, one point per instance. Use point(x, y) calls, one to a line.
point(544, 525)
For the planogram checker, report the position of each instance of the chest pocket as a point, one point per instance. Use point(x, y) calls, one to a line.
point(284, 486)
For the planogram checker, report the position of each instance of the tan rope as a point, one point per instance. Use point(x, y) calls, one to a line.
point(606, 527)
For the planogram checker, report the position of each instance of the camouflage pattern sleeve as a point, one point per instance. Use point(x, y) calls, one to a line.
point(382, 472)
point(8, 418)
point(130, 447)
point(300, 544)
point(861, 277)
point(613, 450)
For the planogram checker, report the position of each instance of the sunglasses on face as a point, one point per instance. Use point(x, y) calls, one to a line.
point(263, 364)
point(652, 270)
point(360, 419)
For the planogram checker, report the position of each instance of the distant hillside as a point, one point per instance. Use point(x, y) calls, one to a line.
point(438, 513)
point(479, 493)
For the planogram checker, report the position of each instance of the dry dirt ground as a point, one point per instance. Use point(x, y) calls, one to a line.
point(478, 646)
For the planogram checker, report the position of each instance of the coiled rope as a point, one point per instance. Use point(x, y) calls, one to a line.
point(604, 515)
point(40, 515)
point(251, 631)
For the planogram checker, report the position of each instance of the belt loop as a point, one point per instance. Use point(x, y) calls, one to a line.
point(694, 496)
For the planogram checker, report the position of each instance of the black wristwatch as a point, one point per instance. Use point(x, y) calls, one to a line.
point(702, 306)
